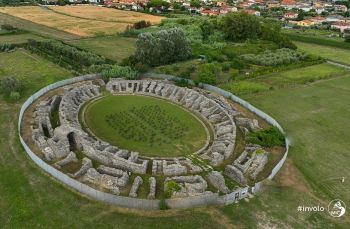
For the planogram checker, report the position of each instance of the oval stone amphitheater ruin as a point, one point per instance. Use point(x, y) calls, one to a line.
point(223, 170)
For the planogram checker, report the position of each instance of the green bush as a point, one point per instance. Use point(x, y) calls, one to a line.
point(8, 27)
point(14, 95)
point(347, 37)
point(240, 26)
point(267, 138)
point(163, 205)
point(119, 71)
point(182, 83)
point(207, 73)
point(6, 47)
point(171, 186)
point(10, 84)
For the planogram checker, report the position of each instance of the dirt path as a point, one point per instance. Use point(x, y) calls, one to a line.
point(339, 65)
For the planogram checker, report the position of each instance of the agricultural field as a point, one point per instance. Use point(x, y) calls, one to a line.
point(284, 79)
point(315, 33)
point(84, 27)
point(115, 48)
point(105, 14)
point(35, 28)
point(331, 53)
point(147, 125)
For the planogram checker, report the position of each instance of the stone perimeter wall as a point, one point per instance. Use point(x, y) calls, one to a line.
point(127, 202)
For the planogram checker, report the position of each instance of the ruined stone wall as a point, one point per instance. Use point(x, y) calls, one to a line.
point(206, 199)
point(245, 104)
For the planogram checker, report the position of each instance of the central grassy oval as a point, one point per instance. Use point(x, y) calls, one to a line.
point(149, 125)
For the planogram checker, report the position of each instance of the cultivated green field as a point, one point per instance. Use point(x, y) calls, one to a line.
point(151, 126)
point(327, 52)
point(20, 38)
point(113, 47)
point(284, 79)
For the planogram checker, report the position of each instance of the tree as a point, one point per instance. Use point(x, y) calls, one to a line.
point(158, 3)
point(207, 29)
point(240, 26)
point(272, 32)
point(195, 3)
point(141, 24)
point(163, 47)
point(301, 15)
point(347, 37)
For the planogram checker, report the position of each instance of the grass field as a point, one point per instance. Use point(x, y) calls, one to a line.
point(85, 27)
point(45, 72)
point(327, 52)
point(316, 120)
point(113, 47)
point(284, 79)
point(151, 126)
point(315, 117)
point(326, 35)
point(20, 38)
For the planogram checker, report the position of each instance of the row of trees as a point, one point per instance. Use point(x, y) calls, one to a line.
point(163, 47)
point(280, 56)
point(67, 52)
point(242, 26)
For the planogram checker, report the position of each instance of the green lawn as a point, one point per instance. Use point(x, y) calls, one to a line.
point(113, 47)
point(316, 120)
point(31, 69)
point(327, 52)
point(19, 38)
point(284, 79)
point(318, 33)
point(151, 126)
